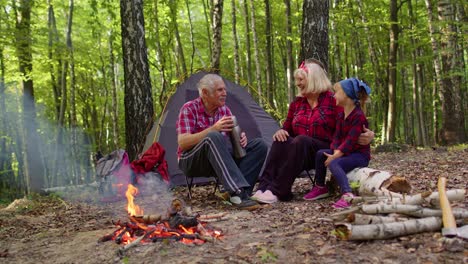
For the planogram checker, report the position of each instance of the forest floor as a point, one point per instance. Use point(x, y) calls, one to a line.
point(49, 229)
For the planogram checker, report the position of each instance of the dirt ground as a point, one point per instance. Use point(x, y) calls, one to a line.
point(55, 230)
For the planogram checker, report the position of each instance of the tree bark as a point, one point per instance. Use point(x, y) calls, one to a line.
point(115, 104)
point(179, 48)
point(160, 58)
point(138, 98)
point(258, 73)
point(248, 56)
point(192, 39)
point(314, 38)
point(392, 71)
point(53, 37)
point(269, 54)
point(388, 230)
point(289, 53)
point(33, 158)
point(217, 34)
point(208, 26)
point(237, 73)
point(411, 210)
point(336, 67)
point(452, 113)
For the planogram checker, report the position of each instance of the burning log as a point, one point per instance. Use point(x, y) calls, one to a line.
point(179, 220)
point(174, 224)
point(388, 230)
point(147, 219)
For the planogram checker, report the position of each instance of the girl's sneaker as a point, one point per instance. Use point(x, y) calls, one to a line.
point(316, 193)
point(342, 203)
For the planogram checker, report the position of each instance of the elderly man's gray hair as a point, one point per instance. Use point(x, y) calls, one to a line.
point(207, 82)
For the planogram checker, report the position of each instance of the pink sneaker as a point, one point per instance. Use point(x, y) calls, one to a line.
point(257, 193)
point(342, 203)
point(316, 193)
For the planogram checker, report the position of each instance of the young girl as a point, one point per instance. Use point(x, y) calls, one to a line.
point(345, 153)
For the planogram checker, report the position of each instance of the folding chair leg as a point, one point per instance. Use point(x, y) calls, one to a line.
point(311, 179)
point(216, 186)
point(189, 186)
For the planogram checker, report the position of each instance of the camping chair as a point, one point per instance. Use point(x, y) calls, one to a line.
point(310, 177)
point(190, 185)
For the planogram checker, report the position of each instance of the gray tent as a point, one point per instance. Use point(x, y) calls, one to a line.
point(252, 119)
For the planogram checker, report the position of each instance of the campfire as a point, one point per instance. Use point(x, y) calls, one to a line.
point(175, 224)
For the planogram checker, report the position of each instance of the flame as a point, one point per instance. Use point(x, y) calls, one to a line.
point(132, 208)
point(159, 230)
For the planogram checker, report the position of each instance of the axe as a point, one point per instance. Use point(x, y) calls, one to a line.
point(450, 226)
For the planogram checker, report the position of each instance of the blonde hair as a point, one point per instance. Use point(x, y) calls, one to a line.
point(317, 80)
point(208, 83)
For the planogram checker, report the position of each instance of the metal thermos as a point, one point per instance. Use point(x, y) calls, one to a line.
point(235, 135)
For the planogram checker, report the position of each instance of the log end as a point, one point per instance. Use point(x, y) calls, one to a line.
point(342, 231)
point(397, 184)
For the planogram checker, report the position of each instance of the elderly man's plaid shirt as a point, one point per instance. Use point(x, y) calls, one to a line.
point(318, 122)
point(193, 118)
point(348, 131)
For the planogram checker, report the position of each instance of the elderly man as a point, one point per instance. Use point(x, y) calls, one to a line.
point(204, 147)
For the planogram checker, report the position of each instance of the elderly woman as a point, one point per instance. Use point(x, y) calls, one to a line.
point(309, 127)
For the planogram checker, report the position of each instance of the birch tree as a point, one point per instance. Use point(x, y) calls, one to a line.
point(138, 99)
point(217, 34)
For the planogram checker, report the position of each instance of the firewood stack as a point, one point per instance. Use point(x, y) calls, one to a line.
point(380, 213)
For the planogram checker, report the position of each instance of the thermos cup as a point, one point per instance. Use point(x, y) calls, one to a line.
point(235, 135)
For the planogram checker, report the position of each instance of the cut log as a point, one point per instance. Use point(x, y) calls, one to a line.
point(388, 230)
point(371, 181)
point(362, 219)
point(430, 198)
point(412, 210)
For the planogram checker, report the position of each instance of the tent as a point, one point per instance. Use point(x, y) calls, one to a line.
point(252, 119)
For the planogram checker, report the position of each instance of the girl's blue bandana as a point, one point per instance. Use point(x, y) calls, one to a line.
point(353, 86)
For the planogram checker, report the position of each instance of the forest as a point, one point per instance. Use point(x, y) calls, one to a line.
point(82, 76)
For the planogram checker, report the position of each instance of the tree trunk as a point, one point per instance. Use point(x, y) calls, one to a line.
point(217, 34)
point(417, 97)
point(115, 104)
point(192, 39)
point(314, 39)
point(258, 73)
point(248, 56)
point(336, 70)
point(452, 112)
point(160, 58)
point(33, 158)
point(178, 43)
point(53, 37)
point(380, 87)
point(269, 54)
point(138, 98)
point(6, 172)
point(236, 42)
point(76, 178)
point(392, 71)
point(208, 26)
point(289, 53)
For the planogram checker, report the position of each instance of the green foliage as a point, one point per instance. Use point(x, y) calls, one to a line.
point(96, 25)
